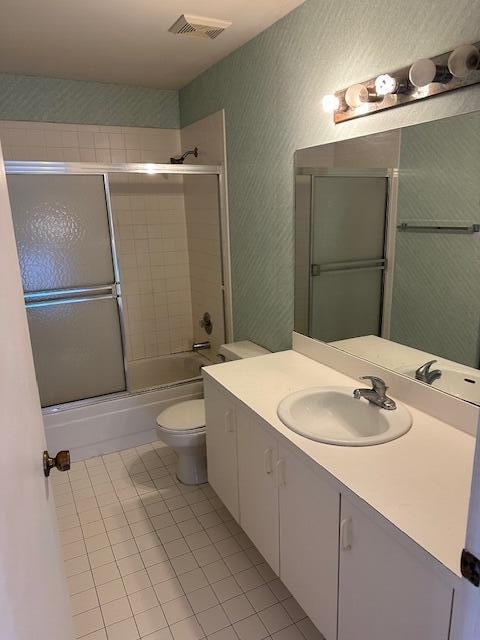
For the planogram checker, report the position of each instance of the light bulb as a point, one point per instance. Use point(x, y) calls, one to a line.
point(463, 59)
point(385, 84)
point(330, 103)
point(422, 72)
point(358, 95)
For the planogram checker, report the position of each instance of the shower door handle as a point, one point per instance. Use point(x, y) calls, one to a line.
point(61, 461)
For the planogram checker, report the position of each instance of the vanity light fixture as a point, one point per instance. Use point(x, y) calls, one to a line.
point(424, 78)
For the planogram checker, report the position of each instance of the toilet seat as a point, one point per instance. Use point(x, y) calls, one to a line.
point(183, 417)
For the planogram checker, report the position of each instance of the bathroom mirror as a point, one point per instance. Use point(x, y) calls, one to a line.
point(387, 246)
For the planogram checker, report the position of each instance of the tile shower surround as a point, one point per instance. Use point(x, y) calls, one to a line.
point(151, 232)
point(151, 227)
point(147, 557)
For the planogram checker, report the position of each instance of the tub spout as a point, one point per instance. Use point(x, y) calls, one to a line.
point(198, 346)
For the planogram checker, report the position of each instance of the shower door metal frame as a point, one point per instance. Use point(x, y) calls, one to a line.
point(26, 167)
point(387, 265)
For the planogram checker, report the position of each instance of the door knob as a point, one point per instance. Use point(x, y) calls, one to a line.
point(61, 461)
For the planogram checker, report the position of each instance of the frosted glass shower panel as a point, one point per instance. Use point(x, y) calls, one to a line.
point(61, 228)
point(347, 256)
point(77, 348)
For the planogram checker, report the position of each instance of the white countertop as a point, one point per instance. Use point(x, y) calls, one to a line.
point(420, 482)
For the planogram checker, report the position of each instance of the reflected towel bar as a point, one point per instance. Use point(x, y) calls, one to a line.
point(405, 226)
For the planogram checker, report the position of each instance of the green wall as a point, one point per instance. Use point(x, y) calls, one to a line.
point(74, 101)
point(271, 90)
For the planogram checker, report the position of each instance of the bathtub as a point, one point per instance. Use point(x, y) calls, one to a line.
point(122, 420)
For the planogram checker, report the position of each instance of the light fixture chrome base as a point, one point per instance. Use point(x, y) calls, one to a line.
point(407, 92)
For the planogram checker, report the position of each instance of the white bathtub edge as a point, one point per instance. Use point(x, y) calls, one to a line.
point(112, 425)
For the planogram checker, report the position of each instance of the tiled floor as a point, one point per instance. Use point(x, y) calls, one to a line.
point(147, 557)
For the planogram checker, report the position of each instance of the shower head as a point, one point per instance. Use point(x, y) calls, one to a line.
point(180, 159)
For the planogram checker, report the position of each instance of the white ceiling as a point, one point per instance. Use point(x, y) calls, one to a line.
point(125, 41)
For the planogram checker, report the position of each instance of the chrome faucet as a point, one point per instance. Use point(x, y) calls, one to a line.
point(377, 394)
point(424, 374)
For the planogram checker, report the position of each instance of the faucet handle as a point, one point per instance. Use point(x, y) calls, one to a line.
point(377, 383)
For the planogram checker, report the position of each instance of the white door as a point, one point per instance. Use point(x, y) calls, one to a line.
point(257, 486)
point(384, 591)
point(309, 518)
point(221, 446)
point(33, 591)
point(466, 613)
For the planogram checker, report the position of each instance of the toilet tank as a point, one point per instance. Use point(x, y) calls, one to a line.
point(242, 349)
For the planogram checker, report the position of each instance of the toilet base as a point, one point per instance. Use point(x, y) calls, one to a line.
point(192, 467)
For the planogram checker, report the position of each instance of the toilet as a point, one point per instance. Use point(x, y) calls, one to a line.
point(182, 425)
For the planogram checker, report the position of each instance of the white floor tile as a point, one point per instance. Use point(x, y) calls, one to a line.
point(136, 581)
point(76, 565)
point(161, 572)
point(202, 599)
point(238, 608)
point(177, 609)
point(111, 591)
point(289, 633)
point(150, 621)
point(227, 588)
point(294, 610)
point(188, 629)
point(100, 541)
point(125, 630)
point(153, 556)
point(116, 611)
point(105, 573)
point(80, 582)
point(216, 571)
point(120, 535)
point(251, 628)
point(262, 597)
point(275, 618)
point(84, 601)
point(213, 620)
point(130, 564)
point(206, 555)
point(87, 622)
point(193, 580)
point(141, 601)
point(168, 590)
point(134, 537)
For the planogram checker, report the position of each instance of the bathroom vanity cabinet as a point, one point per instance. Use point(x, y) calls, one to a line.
point(338, 560)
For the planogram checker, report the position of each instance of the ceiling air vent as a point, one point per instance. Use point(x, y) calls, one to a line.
point(198, 26)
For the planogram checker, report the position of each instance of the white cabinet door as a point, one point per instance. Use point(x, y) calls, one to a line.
point(33, 591)
point(221, 446)
point(384, 591)
point(309, 519)
point(258, 493)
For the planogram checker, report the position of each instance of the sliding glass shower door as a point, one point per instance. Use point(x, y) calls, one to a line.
point(65, 251)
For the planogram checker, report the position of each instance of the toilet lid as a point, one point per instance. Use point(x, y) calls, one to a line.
point(183, 416)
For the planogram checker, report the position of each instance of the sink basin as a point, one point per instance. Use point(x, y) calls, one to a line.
point(334, 416)
point(463, 384)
